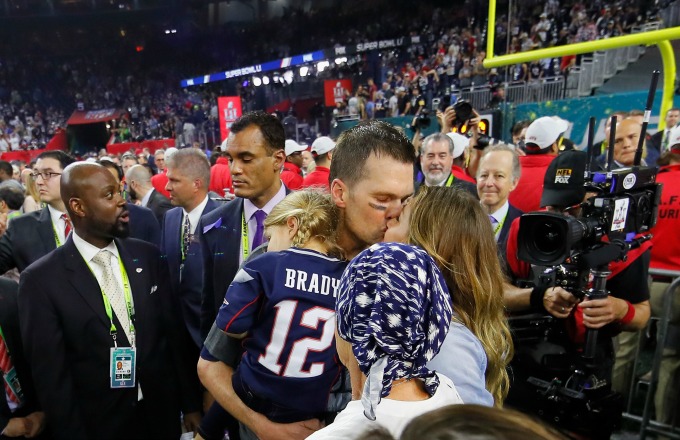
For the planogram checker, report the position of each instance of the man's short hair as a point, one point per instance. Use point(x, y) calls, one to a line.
point(129, 156)
point(12, 196)
point(159, 151)
point(139, 173)
point(6, 168)
point(673, 109)
point(191, 162)
point(437, 137)
point(516, 167)
point(270, 127)
point(107, 163)
point(63, 158)
point(356, 145)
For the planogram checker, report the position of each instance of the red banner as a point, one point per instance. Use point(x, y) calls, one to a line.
point(336, 90)
point(230, 110)
point(93, 116)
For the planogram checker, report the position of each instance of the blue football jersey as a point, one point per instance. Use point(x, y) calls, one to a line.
point(285, 303)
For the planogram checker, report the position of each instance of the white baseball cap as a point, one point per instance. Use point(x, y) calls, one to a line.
point(460, 143)
point(674, 138)
point(293, 147)
point(322, 145)
point(543, 132)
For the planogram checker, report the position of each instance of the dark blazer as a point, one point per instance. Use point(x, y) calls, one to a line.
point(9, 321)
point(187, 285)
point(654, 148)
point(67, 342)
point(143, 224)
point(219, 236)
point(159, 205)
point(502, 242)
point(28, 237)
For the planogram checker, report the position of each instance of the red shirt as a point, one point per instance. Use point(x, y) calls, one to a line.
point(159, 181)
point(666, 233)
point(318, 178)
point(527, 196)
point(461, 174)
point(291, 176)
point(220, 177)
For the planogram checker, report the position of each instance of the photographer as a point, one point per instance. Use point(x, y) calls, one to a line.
point(462, 118)
point(626, 308)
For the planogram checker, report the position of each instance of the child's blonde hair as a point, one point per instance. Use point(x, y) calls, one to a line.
point(316, 214)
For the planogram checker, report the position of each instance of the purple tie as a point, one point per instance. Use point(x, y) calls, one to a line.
point(260, 215)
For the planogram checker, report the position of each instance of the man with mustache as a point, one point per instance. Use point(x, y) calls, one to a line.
point(98, 300)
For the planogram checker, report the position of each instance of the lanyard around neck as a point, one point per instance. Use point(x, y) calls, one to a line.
point(499, 226)
point(56, 236)
point(450, 180)
point(245, 246)
point(113, 331)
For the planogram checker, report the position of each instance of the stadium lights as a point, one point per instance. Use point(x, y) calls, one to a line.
point(265, 80)
point(340, 60)
point(257, 82)
point(321, 65)
point(288, 76)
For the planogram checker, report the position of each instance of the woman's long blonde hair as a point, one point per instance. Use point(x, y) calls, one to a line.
point(452, 227)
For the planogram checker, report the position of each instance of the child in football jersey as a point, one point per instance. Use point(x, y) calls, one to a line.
point(282, 306)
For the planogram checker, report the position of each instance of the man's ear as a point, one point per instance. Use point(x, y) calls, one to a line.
point(77, 208)
point(339, 193)
point(279, 159)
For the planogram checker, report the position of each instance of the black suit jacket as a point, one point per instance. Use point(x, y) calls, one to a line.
point(187, 279)
point(143, 224)
point(159, 205)
point(28, 237)
point(502, 242)
point(9, 321)
point(219, 236)
point(66, 337)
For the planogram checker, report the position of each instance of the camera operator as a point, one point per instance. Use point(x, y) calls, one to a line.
point(626, 308)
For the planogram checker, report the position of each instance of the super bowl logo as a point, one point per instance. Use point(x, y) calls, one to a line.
point(338, 92)
point(230, 114)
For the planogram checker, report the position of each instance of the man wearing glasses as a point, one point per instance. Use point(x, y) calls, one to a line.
point(33, 235)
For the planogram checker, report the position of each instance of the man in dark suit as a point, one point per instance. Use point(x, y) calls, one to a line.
point(22, 419)
point(255, 149)
point(188, 173)
point(143, 223)
point(497, 175)
point(84, 307)
point(138, 178)
point(659, 142)
point(30, 236)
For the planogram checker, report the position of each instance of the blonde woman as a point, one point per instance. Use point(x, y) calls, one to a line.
point(452, 227)
point(32, 200)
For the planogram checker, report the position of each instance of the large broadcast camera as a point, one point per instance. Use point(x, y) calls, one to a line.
point(574, 253)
